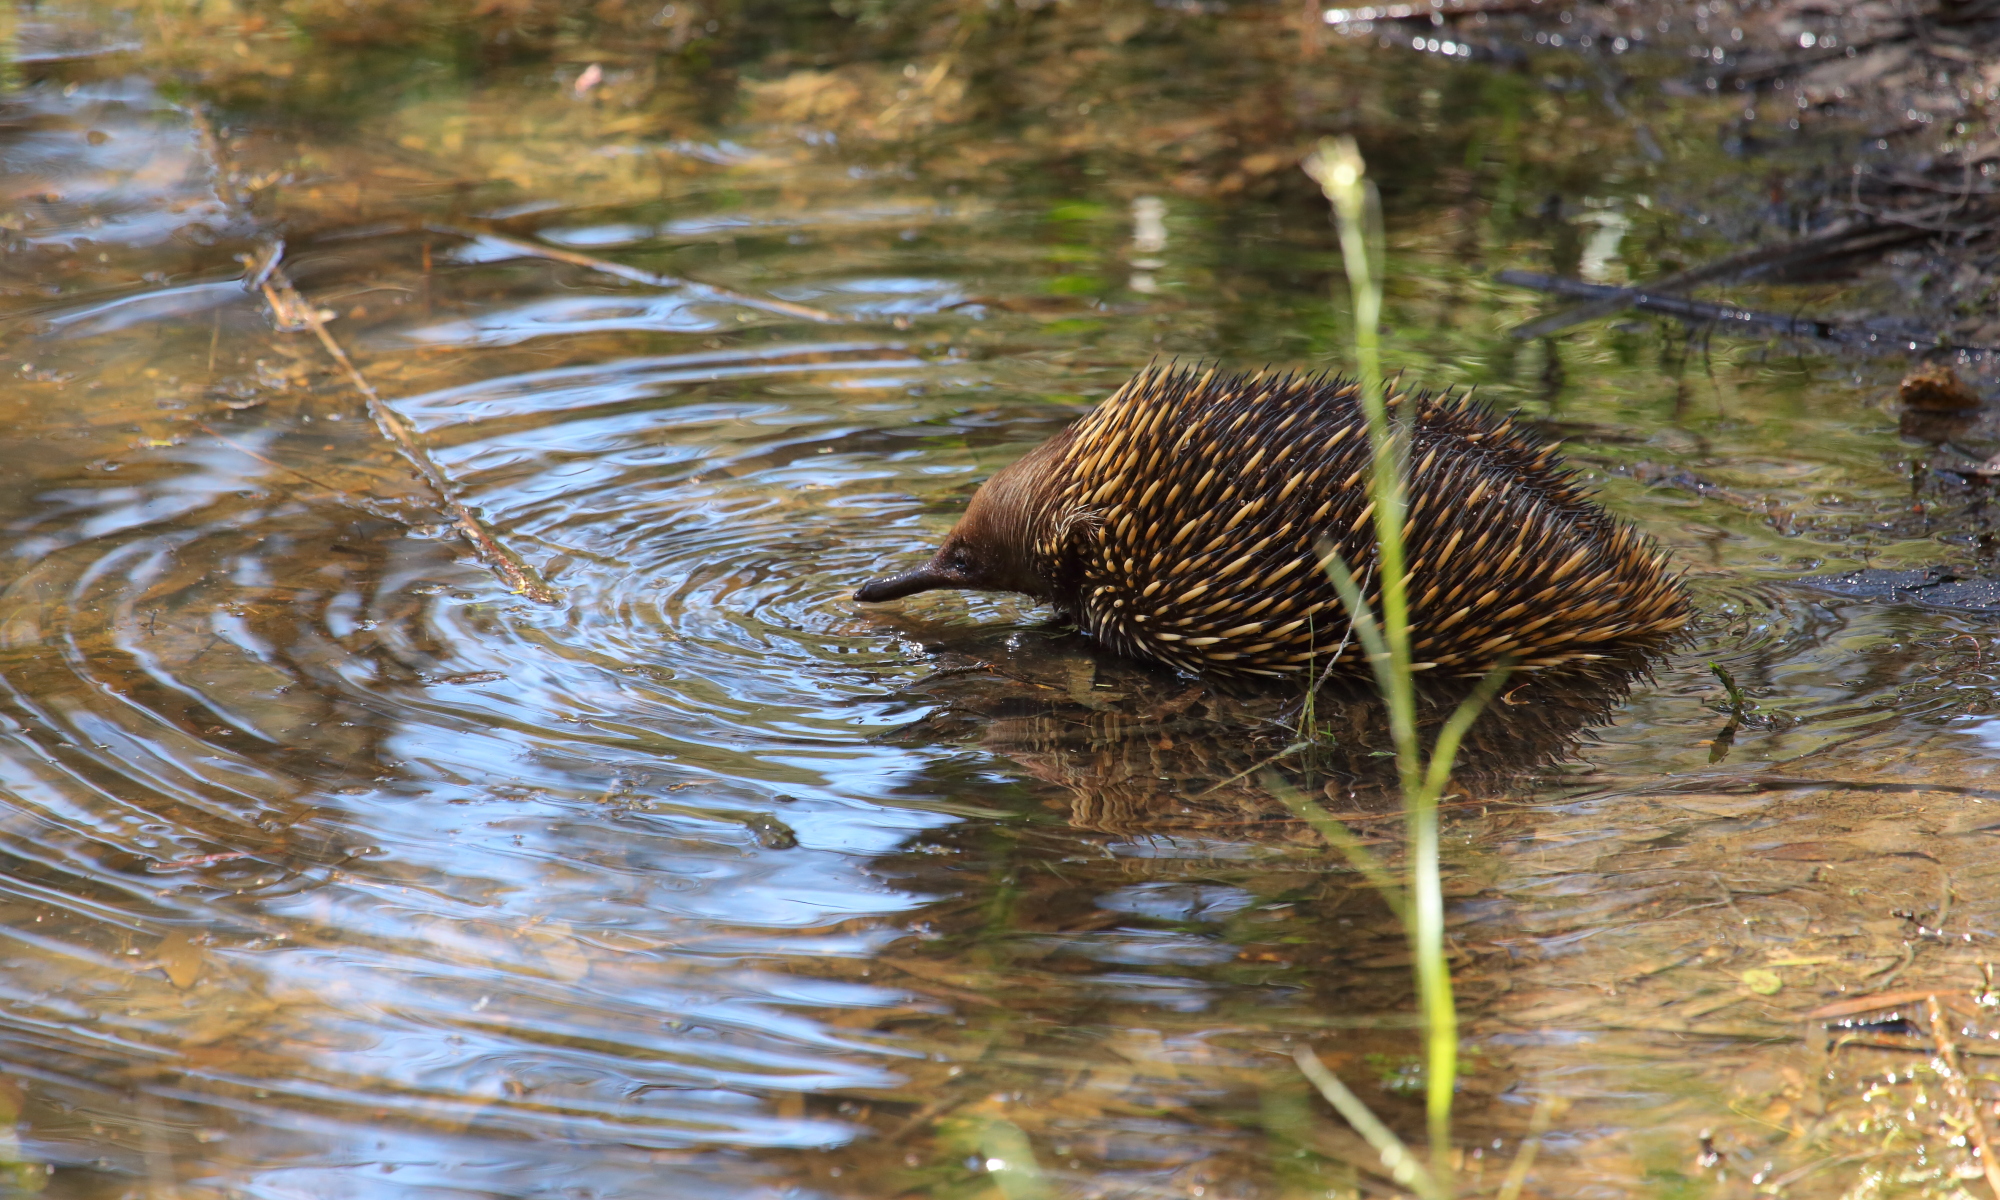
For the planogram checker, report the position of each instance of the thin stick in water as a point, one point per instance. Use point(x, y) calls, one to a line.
point(293, 313)
point(291, 310)
point(605, 266)
point(1954, 1086)
point(1402, 1165)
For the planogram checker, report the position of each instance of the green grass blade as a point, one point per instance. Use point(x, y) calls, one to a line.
point(1341, 838)
point(1444, 751)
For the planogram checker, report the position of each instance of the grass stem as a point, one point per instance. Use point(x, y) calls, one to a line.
point(1384, 630)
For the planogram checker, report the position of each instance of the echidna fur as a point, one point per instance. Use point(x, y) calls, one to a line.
point(1186, 519)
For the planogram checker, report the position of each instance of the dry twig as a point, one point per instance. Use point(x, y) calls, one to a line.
point(1875, 1002)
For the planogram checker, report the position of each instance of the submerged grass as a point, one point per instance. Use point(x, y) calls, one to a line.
point(1384, 631)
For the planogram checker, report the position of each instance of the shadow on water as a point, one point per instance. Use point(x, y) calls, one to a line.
point(334, 868)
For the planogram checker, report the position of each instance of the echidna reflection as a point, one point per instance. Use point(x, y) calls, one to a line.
point(1184, 521)
point(1124, 748)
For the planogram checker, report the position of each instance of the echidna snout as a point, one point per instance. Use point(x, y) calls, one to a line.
point(1186, 518)
point(955, 565)
point(909, 583)
point(991, 548)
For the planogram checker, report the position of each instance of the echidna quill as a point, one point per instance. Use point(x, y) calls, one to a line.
point(1185, 520)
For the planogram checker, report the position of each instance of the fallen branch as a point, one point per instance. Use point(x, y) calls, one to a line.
point(1847, 241)
point(1912, 1045)
point(1760, 68)
point(1878, 1002)
point(1876, 334)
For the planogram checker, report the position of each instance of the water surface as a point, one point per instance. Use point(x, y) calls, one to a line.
point(334, 867)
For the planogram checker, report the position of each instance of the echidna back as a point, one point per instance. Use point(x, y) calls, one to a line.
point(1191, 512)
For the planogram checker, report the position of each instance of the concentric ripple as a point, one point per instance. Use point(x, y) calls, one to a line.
point(321, 748)
point(310, 817)
point(703, 532)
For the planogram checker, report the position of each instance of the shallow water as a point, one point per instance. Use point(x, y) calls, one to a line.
point(336, 868)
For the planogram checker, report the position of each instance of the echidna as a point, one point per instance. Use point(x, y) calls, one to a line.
point(1186, 520)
